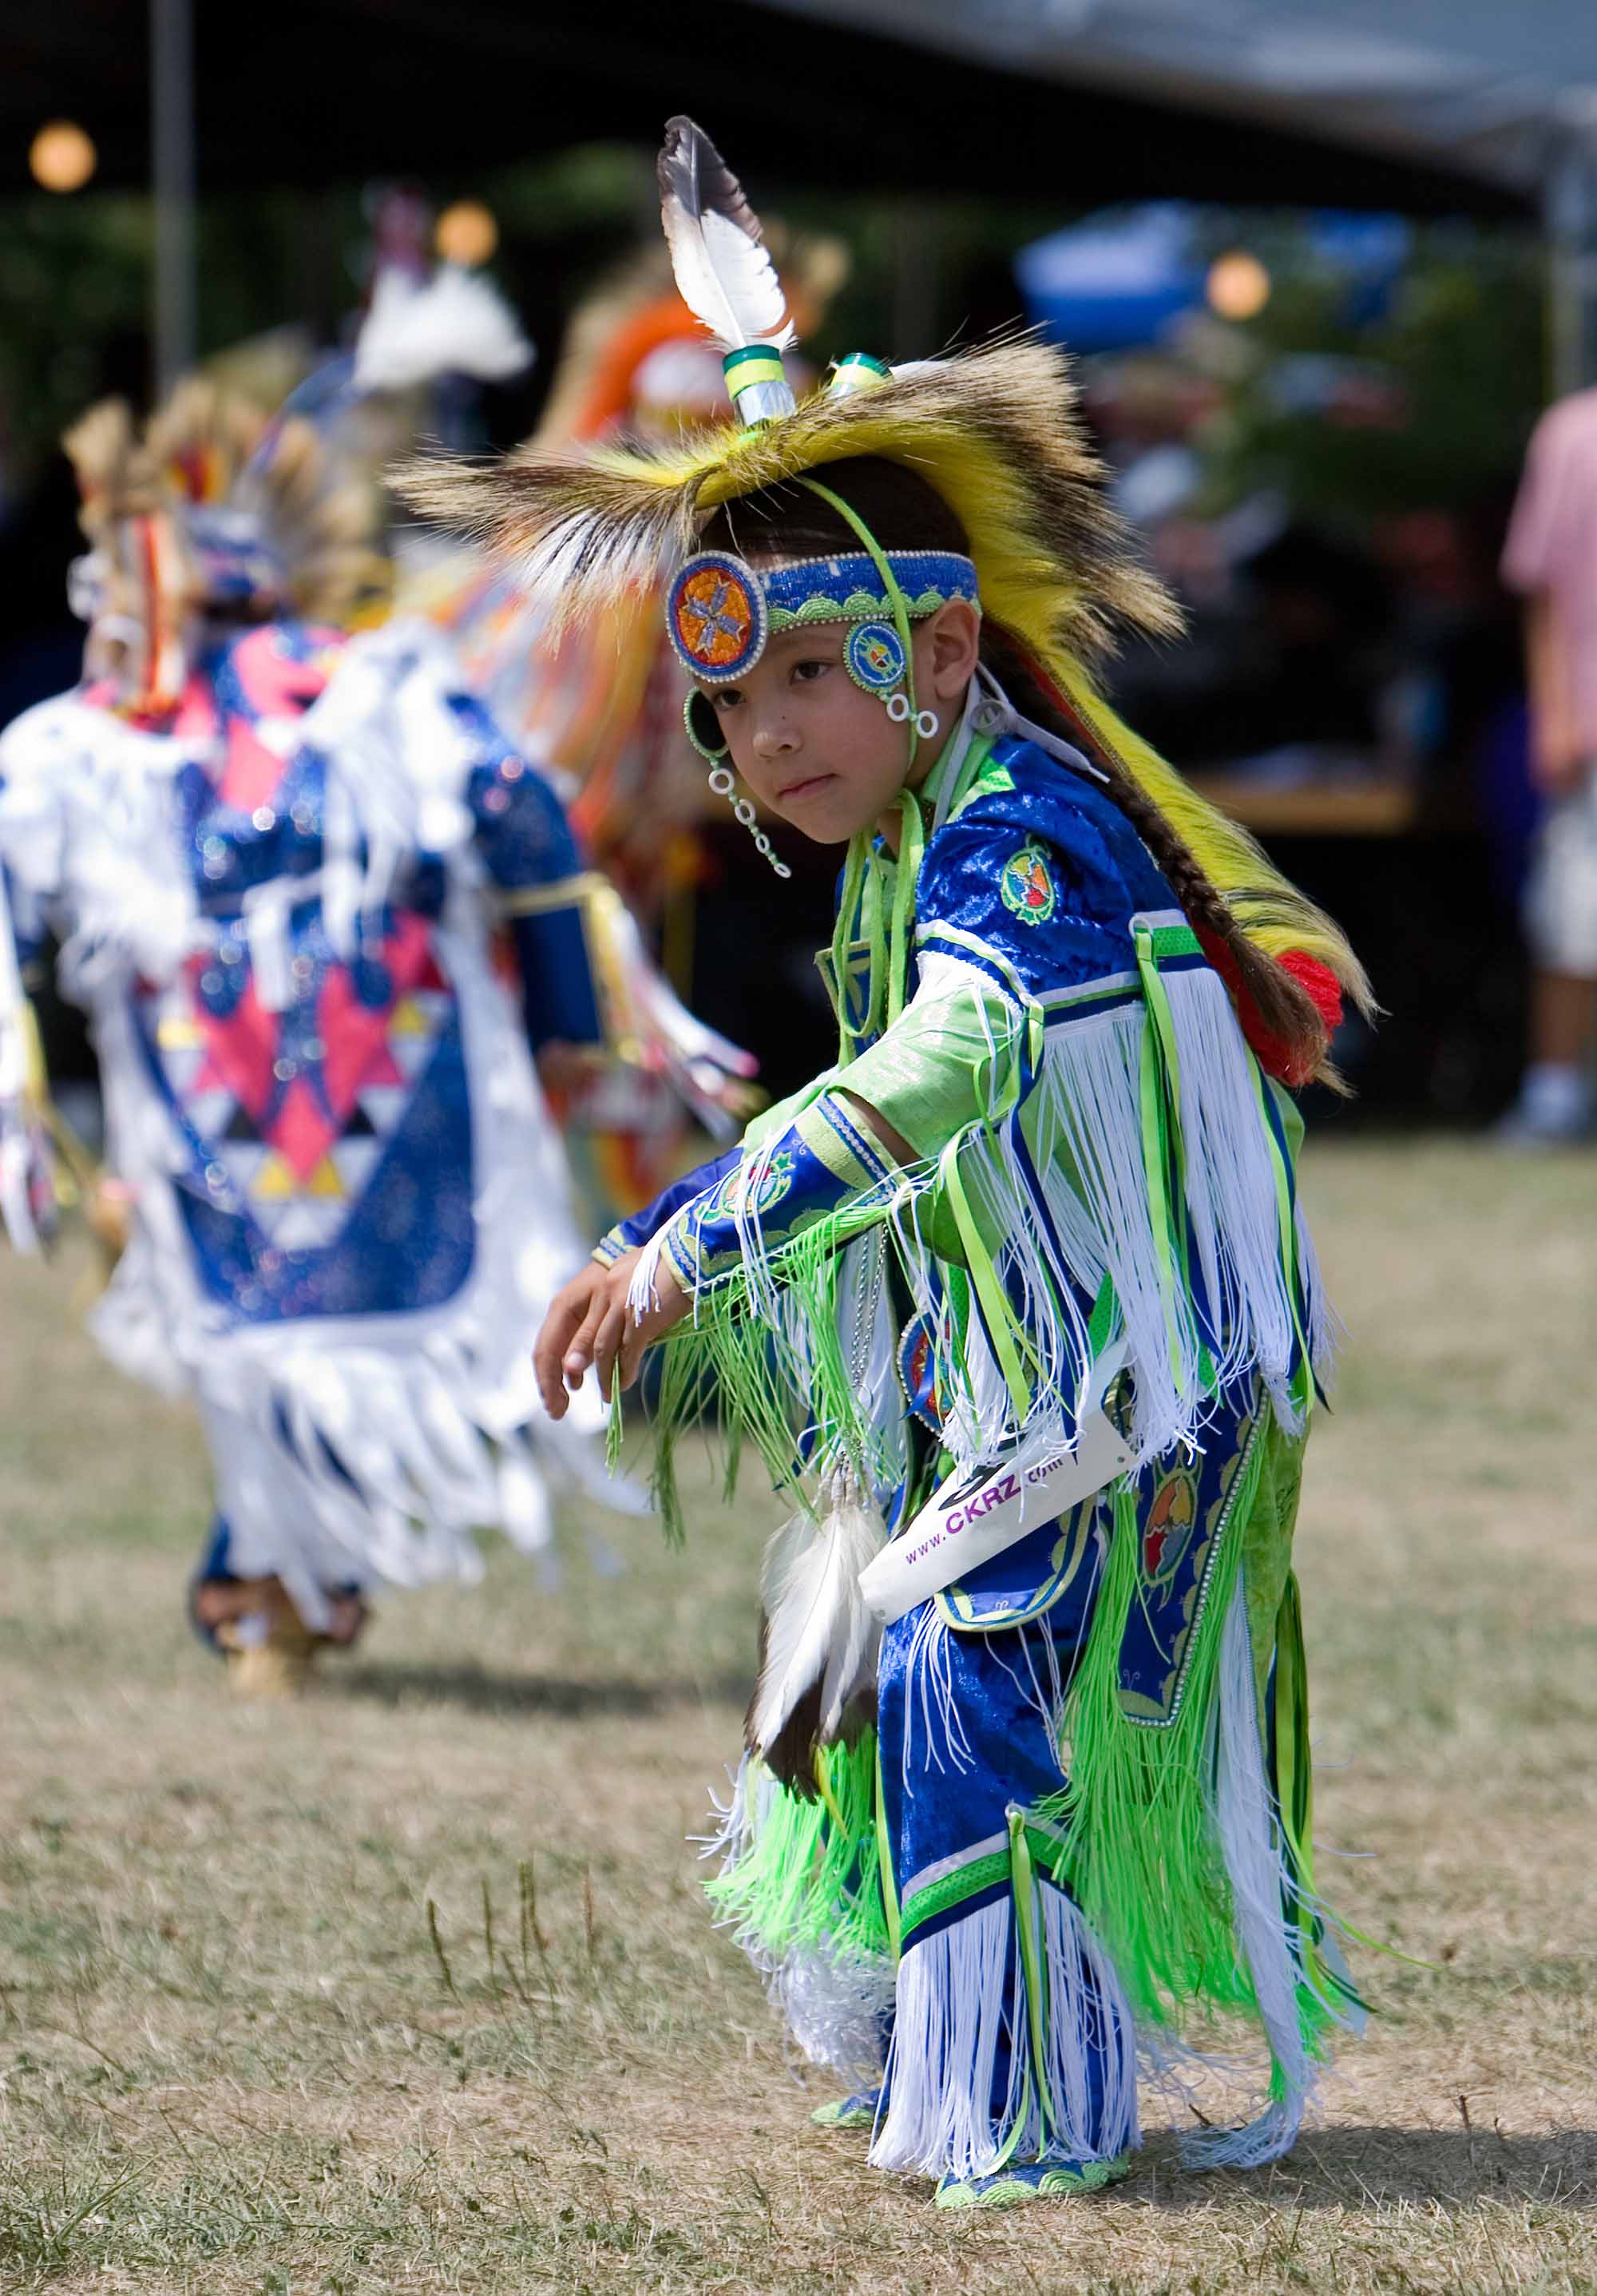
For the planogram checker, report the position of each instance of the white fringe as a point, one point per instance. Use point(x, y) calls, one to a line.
point(1326, 1330)
point(733, 1836)
point(1245, 1822)
point(929, 1681)
point(1043, 1690)
point(1089, 1159)
point(868, 1330)
point(24, 1151)
point(1080, 2029)
point(837, 2007)
point(1231, 1192)
point(1089, 1156)
point(952, 2008)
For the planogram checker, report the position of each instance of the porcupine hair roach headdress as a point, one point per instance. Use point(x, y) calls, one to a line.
point(994, 432)
point(216, 508)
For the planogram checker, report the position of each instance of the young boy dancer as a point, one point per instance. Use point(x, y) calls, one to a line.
point(1015, 1298)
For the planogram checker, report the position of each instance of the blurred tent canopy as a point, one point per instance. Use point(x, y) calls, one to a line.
point(1385, 103)
point(1484, 91)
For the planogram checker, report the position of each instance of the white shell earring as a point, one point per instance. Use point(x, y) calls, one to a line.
point(702, 731)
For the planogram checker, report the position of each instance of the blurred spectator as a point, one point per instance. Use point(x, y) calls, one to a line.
point(1551, 559)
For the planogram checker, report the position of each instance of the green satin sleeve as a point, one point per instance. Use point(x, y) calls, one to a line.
point(955, 1056)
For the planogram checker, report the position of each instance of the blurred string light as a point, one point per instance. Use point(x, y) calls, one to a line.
point(63, 156)
point(1237, 286)
point(466, 233)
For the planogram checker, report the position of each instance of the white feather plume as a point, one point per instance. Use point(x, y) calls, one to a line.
point(817, 1626)
point(722, 267)
point(455, 324)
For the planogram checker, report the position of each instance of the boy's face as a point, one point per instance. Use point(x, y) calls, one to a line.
point(814, 746)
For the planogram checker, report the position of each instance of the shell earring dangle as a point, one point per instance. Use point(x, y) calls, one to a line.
point(926, 722)
point(698, 718)
point(717, 622)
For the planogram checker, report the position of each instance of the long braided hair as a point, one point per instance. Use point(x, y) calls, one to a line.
point(904, 512)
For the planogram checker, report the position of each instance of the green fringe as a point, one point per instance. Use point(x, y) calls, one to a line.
point(1139, 1853)
point(1138, 1850)
point(812, 1873)
point(801, 1409)
point(730, 1358)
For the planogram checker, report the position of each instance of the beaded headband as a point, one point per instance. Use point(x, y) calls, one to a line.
point(721, 611)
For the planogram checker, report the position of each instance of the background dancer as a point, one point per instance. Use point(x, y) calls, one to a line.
point(324, 918)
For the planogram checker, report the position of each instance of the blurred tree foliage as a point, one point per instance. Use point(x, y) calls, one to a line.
point(75, 272)
point(1441, 380)
point(73, 290)
point(1459, 341)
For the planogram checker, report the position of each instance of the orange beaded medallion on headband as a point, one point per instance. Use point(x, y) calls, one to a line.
point(716, 619)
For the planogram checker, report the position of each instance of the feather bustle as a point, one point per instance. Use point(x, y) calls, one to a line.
point(323, 529)
point(994, 429)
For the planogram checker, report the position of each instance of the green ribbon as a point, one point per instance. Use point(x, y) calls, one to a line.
point(884, 1859)
point(1024, 1889)
point(896, 597)
point(886, 945)
point(1158, 1083)
point(911, 850)
point(824, 1787)
point(1002, 1326)
point(1101, 1323)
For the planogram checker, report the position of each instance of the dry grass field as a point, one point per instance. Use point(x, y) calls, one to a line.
point(232, 2059)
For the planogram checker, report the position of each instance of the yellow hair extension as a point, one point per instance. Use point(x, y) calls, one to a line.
point(1273, 915)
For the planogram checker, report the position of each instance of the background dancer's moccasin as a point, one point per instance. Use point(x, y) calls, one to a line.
point(277, 1666)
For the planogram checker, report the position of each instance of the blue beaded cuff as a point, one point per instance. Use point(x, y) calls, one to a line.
point(826, 1157)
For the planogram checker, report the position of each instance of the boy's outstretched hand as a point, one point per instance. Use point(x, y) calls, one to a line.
point(589, 1323)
